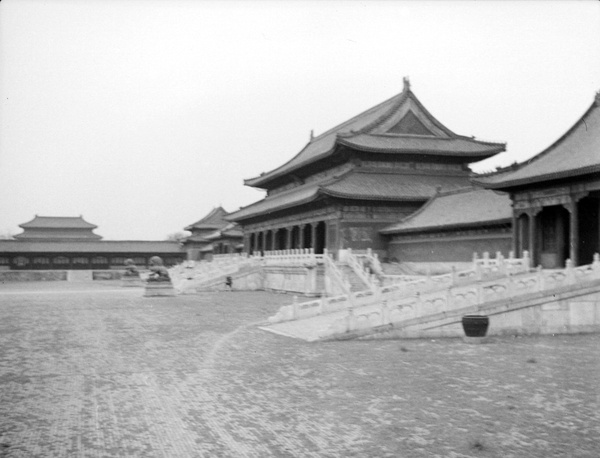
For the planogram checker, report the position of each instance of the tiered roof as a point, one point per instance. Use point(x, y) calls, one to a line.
point(400, 125)
point(358, 184)
point(574, 154)
point(457, 209)
point(58, 222)
point(64, 228)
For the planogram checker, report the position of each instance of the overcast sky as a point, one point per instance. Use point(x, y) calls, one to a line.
point(144, 115)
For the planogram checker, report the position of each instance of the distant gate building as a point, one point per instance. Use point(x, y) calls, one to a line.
point(69, 243)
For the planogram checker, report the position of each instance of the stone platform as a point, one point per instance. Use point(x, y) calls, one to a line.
point(132, 281)
point(159, 289)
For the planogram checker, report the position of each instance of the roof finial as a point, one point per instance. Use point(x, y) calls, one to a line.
point(598, 97)
point(312, 134)
point(406, 83)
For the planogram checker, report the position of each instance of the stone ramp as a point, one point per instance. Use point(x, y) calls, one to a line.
point(565, 309)
point(240, 281)
point(314, 328)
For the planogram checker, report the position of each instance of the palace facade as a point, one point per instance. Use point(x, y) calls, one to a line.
point(556, 196)
point(353, 181)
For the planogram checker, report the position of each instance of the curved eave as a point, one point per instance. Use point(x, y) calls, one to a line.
point(87, 225)
point(511, 183)
point(476, 155)
point(414, 230)
point(261, 181)
point(372, 197)
point(538, 179)
point(232, 217)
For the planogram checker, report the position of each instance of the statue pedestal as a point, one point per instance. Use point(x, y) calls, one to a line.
point(159, 289)
point(132, 281)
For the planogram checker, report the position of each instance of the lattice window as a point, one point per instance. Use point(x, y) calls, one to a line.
point(41, 260)
point(80, 260)
point(60, 260)
point(99, 260)
point(21, 261)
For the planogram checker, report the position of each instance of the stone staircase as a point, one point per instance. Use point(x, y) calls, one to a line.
point(356, 283)
point(562, 300)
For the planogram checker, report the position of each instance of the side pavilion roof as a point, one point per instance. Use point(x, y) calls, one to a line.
point(400, 125)
point(213, 220)
point(576, 153)
point(357, 185)
point(465, 207)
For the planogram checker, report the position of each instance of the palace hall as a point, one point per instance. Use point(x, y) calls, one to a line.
point(358, 178)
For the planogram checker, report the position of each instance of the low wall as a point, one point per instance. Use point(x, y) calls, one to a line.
point(58, 275)
point(32, 275)
point(447, 249)
point(107, 274)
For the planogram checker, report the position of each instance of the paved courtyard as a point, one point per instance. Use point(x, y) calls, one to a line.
point(94, 370)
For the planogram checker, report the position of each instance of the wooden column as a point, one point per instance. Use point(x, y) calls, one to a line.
point(313, 236)
point(301, 236)
point(532, 237)
point(516, 232)
point(574, 232)
point(288, 239)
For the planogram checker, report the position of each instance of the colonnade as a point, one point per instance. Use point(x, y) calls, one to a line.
point(306, 235)
point(554, 233)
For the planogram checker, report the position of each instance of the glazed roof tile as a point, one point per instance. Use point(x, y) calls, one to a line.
point(66, 235)
point(356, 185)
point(105, 246)
point(214, 220)
point(58, 222)
point(291, 198)
point(423, 145)
point(465, 207)
point(576, 153)
point(391, 186)
point(400, 117)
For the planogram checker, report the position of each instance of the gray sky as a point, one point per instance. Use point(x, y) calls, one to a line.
point(144, 115)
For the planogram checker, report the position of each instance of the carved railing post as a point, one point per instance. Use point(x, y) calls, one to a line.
point(570, 272)
point(350, 320)
point(385, 313)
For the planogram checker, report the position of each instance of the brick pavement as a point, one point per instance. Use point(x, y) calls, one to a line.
point(96, 371)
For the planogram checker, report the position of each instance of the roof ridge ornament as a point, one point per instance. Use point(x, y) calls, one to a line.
point(406, 82)
point(597, 98)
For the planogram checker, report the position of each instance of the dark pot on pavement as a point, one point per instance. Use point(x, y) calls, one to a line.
point(475, 325)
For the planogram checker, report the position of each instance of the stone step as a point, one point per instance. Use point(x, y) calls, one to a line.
point(356, 283)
